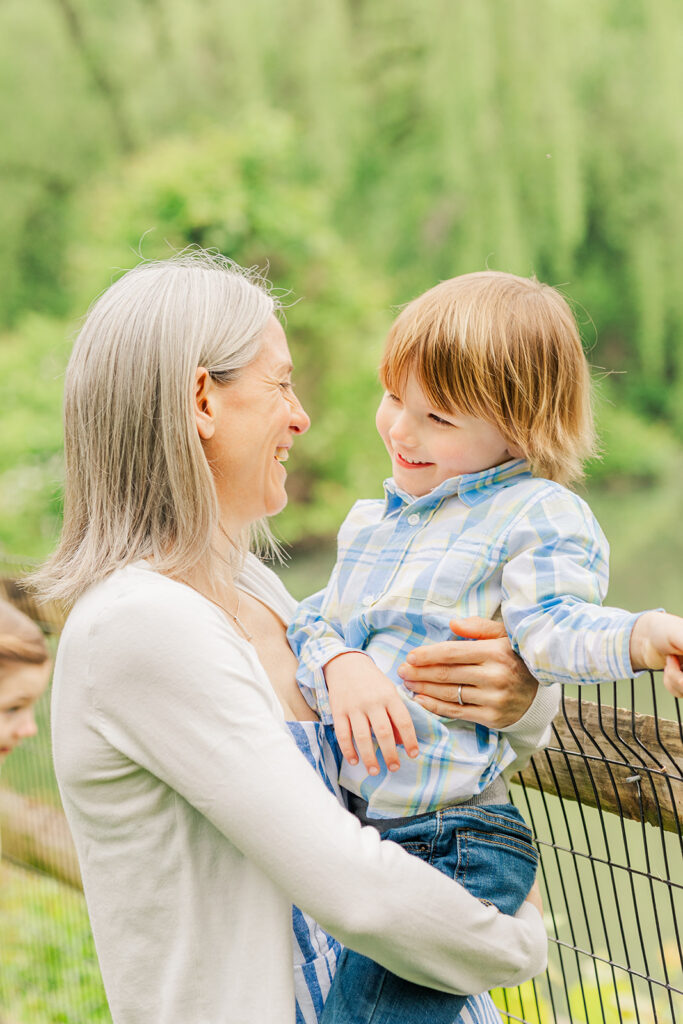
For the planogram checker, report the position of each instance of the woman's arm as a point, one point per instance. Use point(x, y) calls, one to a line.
point(179, 694)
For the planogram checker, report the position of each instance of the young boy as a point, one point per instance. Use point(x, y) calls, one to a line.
point(486, 419)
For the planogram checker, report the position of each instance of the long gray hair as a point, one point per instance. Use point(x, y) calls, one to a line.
point(137, 483)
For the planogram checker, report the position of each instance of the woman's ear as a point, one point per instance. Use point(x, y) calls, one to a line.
point(203, 409)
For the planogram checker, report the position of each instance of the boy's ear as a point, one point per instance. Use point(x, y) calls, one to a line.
point(203, 410)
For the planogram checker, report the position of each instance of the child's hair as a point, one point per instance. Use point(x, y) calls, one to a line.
point(20, 638)
point(507, 350)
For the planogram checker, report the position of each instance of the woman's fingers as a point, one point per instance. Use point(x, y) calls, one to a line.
point(478, 714)
point(534, 897)
point(449, 693)
point(477, 629)
point(453, 652)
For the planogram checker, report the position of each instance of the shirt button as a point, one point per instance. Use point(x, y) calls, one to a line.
point(367, 600)
point(414, 519)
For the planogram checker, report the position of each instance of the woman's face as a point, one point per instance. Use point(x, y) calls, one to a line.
point(21, 685)
point(248, 428)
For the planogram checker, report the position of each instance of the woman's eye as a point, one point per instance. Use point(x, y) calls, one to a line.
point(287, 385)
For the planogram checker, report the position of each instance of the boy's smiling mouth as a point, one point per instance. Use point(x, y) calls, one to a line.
point(410, 463)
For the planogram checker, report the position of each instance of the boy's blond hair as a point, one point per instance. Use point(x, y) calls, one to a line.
point(507, 350)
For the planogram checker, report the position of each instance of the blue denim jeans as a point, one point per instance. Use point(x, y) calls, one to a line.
point(490, 851)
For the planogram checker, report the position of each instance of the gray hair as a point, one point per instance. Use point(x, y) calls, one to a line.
point(137, 483)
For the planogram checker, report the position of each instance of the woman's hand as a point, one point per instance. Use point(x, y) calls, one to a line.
point(494, 683)
point(534, 897)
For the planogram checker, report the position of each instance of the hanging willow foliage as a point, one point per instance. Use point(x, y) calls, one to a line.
point(448, 134)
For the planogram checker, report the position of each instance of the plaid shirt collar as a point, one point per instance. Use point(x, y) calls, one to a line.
point(471, 488)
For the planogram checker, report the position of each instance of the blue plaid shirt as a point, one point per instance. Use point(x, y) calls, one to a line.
point(499, 544)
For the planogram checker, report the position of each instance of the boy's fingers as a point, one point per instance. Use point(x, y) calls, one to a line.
point(342, 729)
point(404, 730)
point(384, 734)
point(673, 676)
point(364, 744)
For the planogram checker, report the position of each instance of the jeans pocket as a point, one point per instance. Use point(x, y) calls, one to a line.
point(496, 866)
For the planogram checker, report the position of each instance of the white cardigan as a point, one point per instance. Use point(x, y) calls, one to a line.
point(197, 823)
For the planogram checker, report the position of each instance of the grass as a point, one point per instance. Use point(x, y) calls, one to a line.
point(49, 967)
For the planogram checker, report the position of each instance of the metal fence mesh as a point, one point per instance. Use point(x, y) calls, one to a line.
point(606, 811)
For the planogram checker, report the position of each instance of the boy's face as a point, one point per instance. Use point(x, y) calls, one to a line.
point(428, 446)
point(21, 686)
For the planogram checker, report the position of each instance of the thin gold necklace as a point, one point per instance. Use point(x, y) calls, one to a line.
point(238, 622)
point(235, 616)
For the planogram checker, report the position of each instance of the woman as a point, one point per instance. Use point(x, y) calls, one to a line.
point(196, 820)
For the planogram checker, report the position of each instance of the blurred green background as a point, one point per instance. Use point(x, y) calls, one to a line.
point(363, 149)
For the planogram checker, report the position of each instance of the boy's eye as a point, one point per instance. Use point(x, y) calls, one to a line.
point(392, 397)
point(440, 421)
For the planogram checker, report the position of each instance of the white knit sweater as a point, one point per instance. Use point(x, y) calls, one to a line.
point(198, 822)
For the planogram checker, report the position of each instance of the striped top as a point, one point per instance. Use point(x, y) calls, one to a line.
point(499, 544)
point(315, 951)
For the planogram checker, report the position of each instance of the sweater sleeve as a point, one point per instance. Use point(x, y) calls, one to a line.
point(533, 730)
point(188, 701)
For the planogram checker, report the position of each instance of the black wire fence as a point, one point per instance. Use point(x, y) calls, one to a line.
point(605, 801)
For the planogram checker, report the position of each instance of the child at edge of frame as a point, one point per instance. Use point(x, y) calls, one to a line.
point(24, 674)
point(487, 419)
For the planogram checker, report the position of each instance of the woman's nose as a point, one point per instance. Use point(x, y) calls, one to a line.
point(300, 421)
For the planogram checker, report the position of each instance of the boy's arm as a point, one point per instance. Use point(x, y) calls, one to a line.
point(316, 636)
point(554, 580)
point(345, 686)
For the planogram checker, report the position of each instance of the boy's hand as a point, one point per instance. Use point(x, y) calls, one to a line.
point(657, 642)
point(364, 701)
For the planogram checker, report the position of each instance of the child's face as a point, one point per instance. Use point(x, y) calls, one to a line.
point(428, 446)
point(21, 685)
